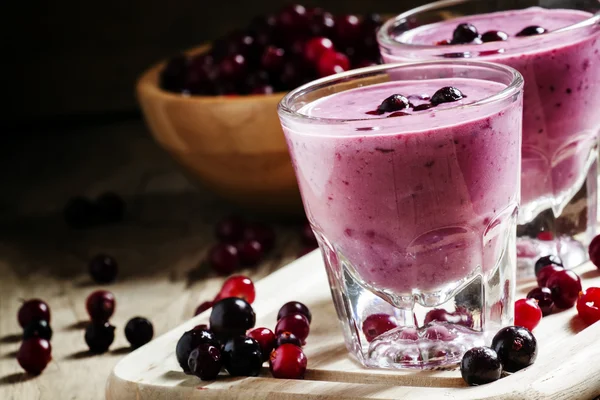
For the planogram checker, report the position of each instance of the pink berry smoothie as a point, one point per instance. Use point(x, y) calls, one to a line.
point(414, 202)
point(561, 117)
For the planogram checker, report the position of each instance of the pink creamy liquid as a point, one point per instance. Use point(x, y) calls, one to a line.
point(561, 97)
point(414, 202)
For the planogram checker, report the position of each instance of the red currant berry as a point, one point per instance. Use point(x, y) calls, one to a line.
point(224, 258)
point(250, 252)
point(527, 313)
point(588, 305)
point(377, 324)
point(315, 48)
point(230, 229)
point(594, 251)
point(332, 63)
point(266, 339)
point(103, 268)
point(294, 323)
point(348, 29)
point(237, 286)
point(33, 310)
point(565, 286)
point(545, 273)
point(203, 307)
point(543, 296)
point(288, 362)
point(100, 305)
point(34, 355)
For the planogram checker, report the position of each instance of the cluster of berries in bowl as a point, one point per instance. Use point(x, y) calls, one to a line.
point(276, 53)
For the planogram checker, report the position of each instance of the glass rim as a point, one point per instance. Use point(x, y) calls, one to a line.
point(385, 40)
point(284, 107)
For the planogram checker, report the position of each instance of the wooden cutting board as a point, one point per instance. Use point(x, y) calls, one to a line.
point(567, 367)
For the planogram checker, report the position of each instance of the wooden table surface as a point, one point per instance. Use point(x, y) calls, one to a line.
point(159, 247)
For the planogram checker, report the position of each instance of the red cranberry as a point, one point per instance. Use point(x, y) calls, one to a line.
point(294, 307)
point(377, 324)
point(288, 337)
point(203, 307)
point(262, 233)
point(273, 59)
point(565, 286)
point(532, 31)
point(547, 272)
point(100, 305)
point(224, 258)
point(588, 305)
point(111, 207)
point(293, 21)
point(464, 33)
point(332, 63)
point(34, 355)
point(99, 336)
point(527, 313)
point(103, 268)
point(543, 296)
point(288, 362)
point(33, 310)
point(250, 252)
point(594, 251)
point(348, 30)
point(237, 286)
point(266, 339)
point(545, 261)
point(230, 229)
point(232, 67)
point(316, 47)
point(294, 323)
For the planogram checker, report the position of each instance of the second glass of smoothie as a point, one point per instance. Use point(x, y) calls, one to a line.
point(556, 47)
point(410, 179)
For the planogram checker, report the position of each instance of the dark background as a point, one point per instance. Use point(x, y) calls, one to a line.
point(74, 60)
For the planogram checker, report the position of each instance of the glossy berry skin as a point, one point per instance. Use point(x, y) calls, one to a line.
point(395, 102)
point(527, 313)
point(110, 207)
point(224, 258)
point(545, 261)
point(262, 233)
point(205, 362)
point(232, 67)
point(464, 33)
point(38, 328)
point(250, 252)
point(230, 229)
point(238, 286)
point(543, 296)
point(288, 362)
point(292, 21)
point(272, 59)
point(266, 339)
point(446, 94)
point(545, 274)
point(494, 36)
point(203, 307)
point(139, 331)
point(565, 286)
point(294, 307)
point(231, 317)
point(80, 213)
point(532, 31)
point(377, 324)
point(287, 337)
point(99, 336)
point(191, 340)
point(103, 268)
point(348, 29)
point(100, 305)
point(33, 310)
point(480, 365)
point(588, 305)
point(316, 47)
point(331, 63)
point(294, 323)
point(594, 251)
point(516, 348)
point(242, 356)
point(34, 355)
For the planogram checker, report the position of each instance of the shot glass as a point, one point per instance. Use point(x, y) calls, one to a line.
point(414, 210)
point(555, 45)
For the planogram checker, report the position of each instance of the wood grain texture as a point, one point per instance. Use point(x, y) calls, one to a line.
point(563, 370)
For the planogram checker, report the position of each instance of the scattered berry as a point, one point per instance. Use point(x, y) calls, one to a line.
point(331, 63)
point(464, 33)
point(262, 233)
point(377, 324)
point(265, 338)
point(294, 323)
point(230, 229)
point(294, 307)
point(224, 258)
point(103, 268)
point(543, 296)
point(532, 31)
point(516, 348)
point(288, 362)
point(34, 355)
point(99, 336)
point(33, 310)
point(527, 313)
point(139, 331)
point(250, 252)
point(191, 340)
point(110, 207)
point(594, 251)
point(395, 102)
point(588, 305)
point(203, 307)
point(565, 286)
point(100, 305)
point(231, 317)
point(494, 36)
point(287, 337)
point(238, 286)
point(545, 273)
point(38, 328)
point(446, 94)
point(348, 30)
point(480, 365)
point(273, 59)
point(545, 261)
point(315, 48)
point(242, 356)
point(205, 362)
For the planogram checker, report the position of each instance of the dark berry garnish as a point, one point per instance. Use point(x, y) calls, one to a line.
point(588, 305)
point(516, 347)
point(395, 102)
point(527, 313)
point(594, 251)
point(250, 252)
point(242, 356)
point(110, 207)
point(565, 286)
point(294, 307)
point(288, 362)
point(446, 94)
point(33, 310)
point(189, 341)
point(224, 258)
point(266, 339)
point(545, 261)
point(99, 336)
point(230, 229)
point(532, 31)
point(80, 213)
point(139, 331)
point(38, 328)
point(480, 365)
point(315, 48)
point(543, 296)
point(103, 268)
point(203, 307)
point(100, 305)
point(232, 317)
point(377, 324)
point(238, 286)
point(205, 362)
point(464, 33)
point(287, 337)
point(545, 273)
point(34, 355)
point(262, 233)
point(294, 323)
point(331, 63)
point(494, 36)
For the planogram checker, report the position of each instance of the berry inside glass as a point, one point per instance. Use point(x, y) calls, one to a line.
point(420, 213)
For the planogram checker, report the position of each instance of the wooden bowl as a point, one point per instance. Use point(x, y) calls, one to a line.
point(233, 145)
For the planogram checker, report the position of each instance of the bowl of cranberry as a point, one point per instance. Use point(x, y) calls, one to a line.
point(214, 108)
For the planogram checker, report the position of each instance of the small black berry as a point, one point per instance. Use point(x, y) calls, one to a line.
point(464, 33)
point(189, 341)
point(38, 328)
point(395, 102)
point(231, 317)
point(532, 31)
point(103, 268)
point(99, 336)
point(446, 94)
point(494, 36)
point(480, 365)
point(242, 356)
point(139, 331)
point(205, 362)
point(288, 337)
point(516, 347)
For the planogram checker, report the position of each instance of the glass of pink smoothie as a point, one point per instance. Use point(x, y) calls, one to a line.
point(555, 45)
point(410, 179)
